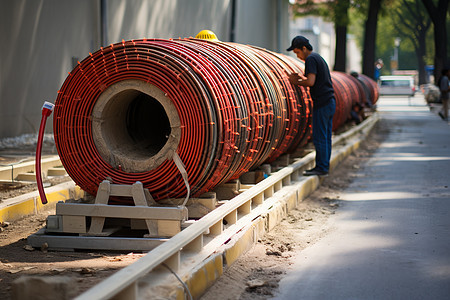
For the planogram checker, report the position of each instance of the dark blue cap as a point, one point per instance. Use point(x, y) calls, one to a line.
point(298, 42)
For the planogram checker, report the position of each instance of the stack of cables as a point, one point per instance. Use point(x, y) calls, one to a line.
point(350, 91)
point(371, 86)
point(129, 111)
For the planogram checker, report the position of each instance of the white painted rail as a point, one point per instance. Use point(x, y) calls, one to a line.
point(124, 283)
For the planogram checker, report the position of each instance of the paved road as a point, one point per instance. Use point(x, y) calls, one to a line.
point(392, 232)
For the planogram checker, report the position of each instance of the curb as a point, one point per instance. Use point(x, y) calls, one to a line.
point(28, 204)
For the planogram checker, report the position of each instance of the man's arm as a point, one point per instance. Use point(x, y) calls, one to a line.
point(297, 79)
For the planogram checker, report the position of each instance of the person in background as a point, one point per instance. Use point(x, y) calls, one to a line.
point(318, 79)
point(444, 87)
point(377, 72)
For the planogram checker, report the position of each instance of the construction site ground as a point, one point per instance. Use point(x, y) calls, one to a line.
point(88, 268)
point(256, 275)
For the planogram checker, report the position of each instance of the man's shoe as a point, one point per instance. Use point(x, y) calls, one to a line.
point(441, 115)
point(315, 172)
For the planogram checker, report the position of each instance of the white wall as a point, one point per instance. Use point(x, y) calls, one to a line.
point(137, 19)
point(263, 23)
point(321, 36)
point(42, 38)
point(39, 39)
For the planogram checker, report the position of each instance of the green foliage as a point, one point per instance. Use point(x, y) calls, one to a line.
point(330, 10)
point(402, 22)
point(393, 13)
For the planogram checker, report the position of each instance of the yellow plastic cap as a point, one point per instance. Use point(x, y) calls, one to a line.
point(207, 35)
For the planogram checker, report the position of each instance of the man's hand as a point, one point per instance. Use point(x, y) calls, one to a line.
point(295, 78)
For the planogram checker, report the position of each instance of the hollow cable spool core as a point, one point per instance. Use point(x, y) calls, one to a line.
point(135, 126)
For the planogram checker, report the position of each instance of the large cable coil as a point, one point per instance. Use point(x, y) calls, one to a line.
point(129, 111)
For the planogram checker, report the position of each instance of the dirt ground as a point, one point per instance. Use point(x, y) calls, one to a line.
point(17, 259)
point(253, 276)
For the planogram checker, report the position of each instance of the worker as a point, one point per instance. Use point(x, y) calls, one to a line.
point(317, 77)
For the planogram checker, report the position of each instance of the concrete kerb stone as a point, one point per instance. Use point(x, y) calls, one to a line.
point(28, 204)
point(43, 287)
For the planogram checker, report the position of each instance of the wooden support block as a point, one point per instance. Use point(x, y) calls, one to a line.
point(228, 190)
point(56, 172)
point(122, 211)
point(266, 168)
point(102, 198)
point(159, 221)
point(74, 224)
point(197, 207)
point(209, 200)
point(26, 177)
point(197, 211)
point(284, 160)
point(252, 177)
point(245, 187)
point(54, 224)
point(168, 227)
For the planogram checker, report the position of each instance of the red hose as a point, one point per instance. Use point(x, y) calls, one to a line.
point(47, 109)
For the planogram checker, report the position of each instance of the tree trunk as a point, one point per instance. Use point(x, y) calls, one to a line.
point(341, 48)
point(340, 27)
point(421, 52)
point(370, 38)
point(438, 17)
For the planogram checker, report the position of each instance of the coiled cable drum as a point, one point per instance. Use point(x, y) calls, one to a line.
point(354, 86)
point(127, 110)
point(344, 99)
point(372, 87)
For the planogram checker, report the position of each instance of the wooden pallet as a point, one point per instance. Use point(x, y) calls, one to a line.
point(96, 225)
point(161, 221)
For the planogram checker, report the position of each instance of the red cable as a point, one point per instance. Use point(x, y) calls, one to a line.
point(236, 107)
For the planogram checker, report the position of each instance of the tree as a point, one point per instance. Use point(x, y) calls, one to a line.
point(413, 23)
point(335, 11)
point(438, 16)
point(370, 34)
point(341, 21)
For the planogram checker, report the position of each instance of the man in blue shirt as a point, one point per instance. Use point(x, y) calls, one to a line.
point(318, 79)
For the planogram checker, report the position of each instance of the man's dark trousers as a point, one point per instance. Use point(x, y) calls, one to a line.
point(322, 125)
